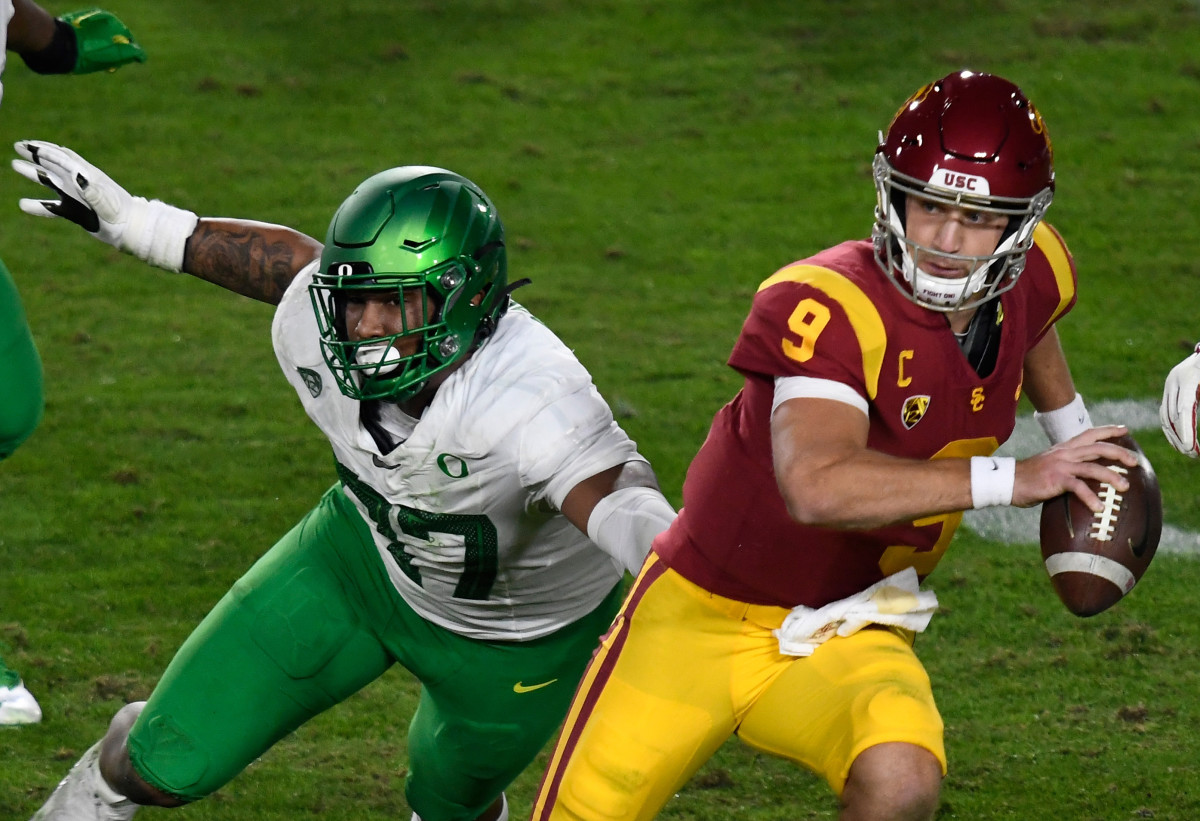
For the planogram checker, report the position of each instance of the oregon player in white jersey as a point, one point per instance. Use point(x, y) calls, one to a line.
point(486, 510)
point(518, 426)
point(78, 42)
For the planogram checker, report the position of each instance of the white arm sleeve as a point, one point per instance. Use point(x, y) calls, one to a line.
point(625, 522)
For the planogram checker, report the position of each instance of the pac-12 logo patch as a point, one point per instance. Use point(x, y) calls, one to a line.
point(914, 410)
point(312, 381)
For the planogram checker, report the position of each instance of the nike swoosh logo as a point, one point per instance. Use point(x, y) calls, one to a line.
point(521, 688)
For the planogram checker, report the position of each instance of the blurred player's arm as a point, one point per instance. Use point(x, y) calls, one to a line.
point(31, 29)
point(79, 42)
point(255, 259)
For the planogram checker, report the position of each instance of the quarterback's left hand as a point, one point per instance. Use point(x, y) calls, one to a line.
point(103, 42)
point(1178, 410)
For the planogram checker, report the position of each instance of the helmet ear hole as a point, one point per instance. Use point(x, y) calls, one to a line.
point(900, 206)
point(1010, 230)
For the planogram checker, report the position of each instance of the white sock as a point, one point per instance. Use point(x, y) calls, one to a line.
point(104, 792)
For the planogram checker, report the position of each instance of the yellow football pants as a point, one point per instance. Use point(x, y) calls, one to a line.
point(681, 669)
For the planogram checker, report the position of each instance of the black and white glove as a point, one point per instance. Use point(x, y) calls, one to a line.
point(148, 229)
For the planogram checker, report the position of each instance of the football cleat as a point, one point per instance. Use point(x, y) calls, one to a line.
point(84, 796)
point(18, 706)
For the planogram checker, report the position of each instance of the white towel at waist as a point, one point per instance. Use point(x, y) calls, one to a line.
point(896, 601)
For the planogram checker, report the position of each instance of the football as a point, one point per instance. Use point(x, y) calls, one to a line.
point(1095, 559)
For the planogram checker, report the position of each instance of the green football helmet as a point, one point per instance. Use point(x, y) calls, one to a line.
point(410, 228)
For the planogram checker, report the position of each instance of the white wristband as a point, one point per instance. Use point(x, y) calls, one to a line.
point(1070, 420)
point(992, 480)
point(157, 233)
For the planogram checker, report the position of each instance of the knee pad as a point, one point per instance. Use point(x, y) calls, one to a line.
point(179, 764)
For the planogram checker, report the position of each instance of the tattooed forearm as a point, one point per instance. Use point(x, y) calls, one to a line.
point(256, 259)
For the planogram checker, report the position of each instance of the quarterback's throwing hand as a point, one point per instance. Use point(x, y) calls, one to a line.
point(1177, 413)
point(85, 194)
point(1069, 466)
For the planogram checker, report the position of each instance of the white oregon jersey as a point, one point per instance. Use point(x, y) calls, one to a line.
point(465, 511)
point(6, 15)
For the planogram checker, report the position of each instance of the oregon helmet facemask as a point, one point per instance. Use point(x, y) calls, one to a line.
point(410, 230)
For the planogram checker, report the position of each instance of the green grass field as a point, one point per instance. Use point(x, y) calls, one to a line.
point(654, 161)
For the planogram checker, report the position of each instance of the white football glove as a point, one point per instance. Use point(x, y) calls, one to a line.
point(150, 230)
point(1178, 410)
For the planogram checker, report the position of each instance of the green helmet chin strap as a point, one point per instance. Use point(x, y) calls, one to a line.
point(410, 229)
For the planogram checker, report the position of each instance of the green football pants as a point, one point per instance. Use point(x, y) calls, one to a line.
point(315, 620)
point(20, 370)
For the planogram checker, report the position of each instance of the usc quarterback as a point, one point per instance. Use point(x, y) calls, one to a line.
point(880, 377)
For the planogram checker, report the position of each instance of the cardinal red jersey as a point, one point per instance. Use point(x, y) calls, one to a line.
point(836, 317)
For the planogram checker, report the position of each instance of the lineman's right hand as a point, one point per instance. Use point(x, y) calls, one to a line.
point(1066, 467)
point(83, 193)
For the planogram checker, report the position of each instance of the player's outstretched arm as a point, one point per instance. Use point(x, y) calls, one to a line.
point(79, 42)
point(255, 259)
point(1177, 413)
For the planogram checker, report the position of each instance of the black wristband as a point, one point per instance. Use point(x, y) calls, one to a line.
point(59, 57)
